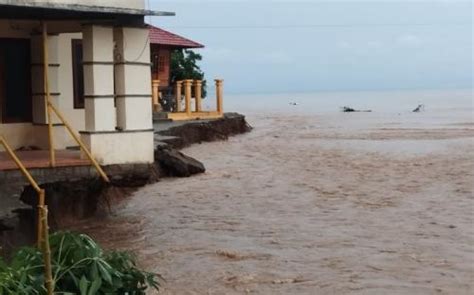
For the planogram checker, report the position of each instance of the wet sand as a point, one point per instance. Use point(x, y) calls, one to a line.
point(313, 204)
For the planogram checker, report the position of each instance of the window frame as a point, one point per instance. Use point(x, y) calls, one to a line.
point(77, 70)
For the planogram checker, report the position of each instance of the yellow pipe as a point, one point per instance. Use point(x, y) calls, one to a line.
point(81, 144)
point(41, 203)
point(47, 252)
point(52, 156)
point(20, 165)
point(34, 184)
point(42, 225)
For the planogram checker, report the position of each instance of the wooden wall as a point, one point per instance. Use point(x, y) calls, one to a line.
point(161, 58)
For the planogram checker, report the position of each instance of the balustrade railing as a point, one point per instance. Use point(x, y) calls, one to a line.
point(187, 86)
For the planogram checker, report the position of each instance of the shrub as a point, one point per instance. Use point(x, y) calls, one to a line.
point(79, 266)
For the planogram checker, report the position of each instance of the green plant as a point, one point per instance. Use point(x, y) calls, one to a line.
point(24, 275)
point(80, 266)
point(184, 65)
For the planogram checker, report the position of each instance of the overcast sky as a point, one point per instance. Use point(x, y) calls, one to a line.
point(285, 46)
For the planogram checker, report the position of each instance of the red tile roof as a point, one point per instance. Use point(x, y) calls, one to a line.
point(162, 37)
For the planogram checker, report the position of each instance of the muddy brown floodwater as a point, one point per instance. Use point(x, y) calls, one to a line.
point(313, 204)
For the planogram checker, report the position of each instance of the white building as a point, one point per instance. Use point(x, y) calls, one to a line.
point(114, 117)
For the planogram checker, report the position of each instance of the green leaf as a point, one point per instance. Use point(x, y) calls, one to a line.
point(105, 273)
point(74, 278)
point(83, 285)
point(95, 286)
point(94, 273)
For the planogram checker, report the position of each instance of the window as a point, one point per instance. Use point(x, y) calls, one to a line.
point(158, 62)
point(78, 73)
point(162, 63)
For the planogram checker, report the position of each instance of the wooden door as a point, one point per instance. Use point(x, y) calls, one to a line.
point(15, 77)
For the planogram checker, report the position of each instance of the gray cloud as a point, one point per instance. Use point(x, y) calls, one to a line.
point(272, 46)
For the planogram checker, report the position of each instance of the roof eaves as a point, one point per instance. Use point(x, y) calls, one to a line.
point(189, 43)
point(88, 8)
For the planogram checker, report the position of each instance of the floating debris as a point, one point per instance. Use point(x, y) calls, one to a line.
point(419, 108)
point(228, 254)
point(351, 110)
point(289, 281)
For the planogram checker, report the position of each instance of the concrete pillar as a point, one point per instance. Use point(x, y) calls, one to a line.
point(220, 95)
point(198, 95)
point(179, 87)
point(133, 92)
point(100, 135)
point(187, 95)
point(133, 78)
point(98, 45)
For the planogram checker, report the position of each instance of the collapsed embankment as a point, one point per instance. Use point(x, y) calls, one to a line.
point(184, 135)
point(75, 193)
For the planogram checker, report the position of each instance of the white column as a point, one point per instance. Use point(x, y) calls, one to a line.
point(133, 92)
point(98, 48)
point(133, 78)
point(100, 135)
point(125, 53)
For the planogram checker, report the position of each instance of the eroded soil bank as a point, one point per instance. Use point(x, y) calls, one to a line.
point(313, 204)
point(77, 193)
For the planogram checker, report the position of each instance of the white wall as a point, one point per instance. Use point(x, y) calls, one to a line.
point(121, 148)
point(17, 135)
point(66, 88)
point(138, 4)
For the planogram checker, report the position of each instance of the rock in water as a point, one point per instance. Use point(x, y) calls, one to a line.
point(175, 163)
